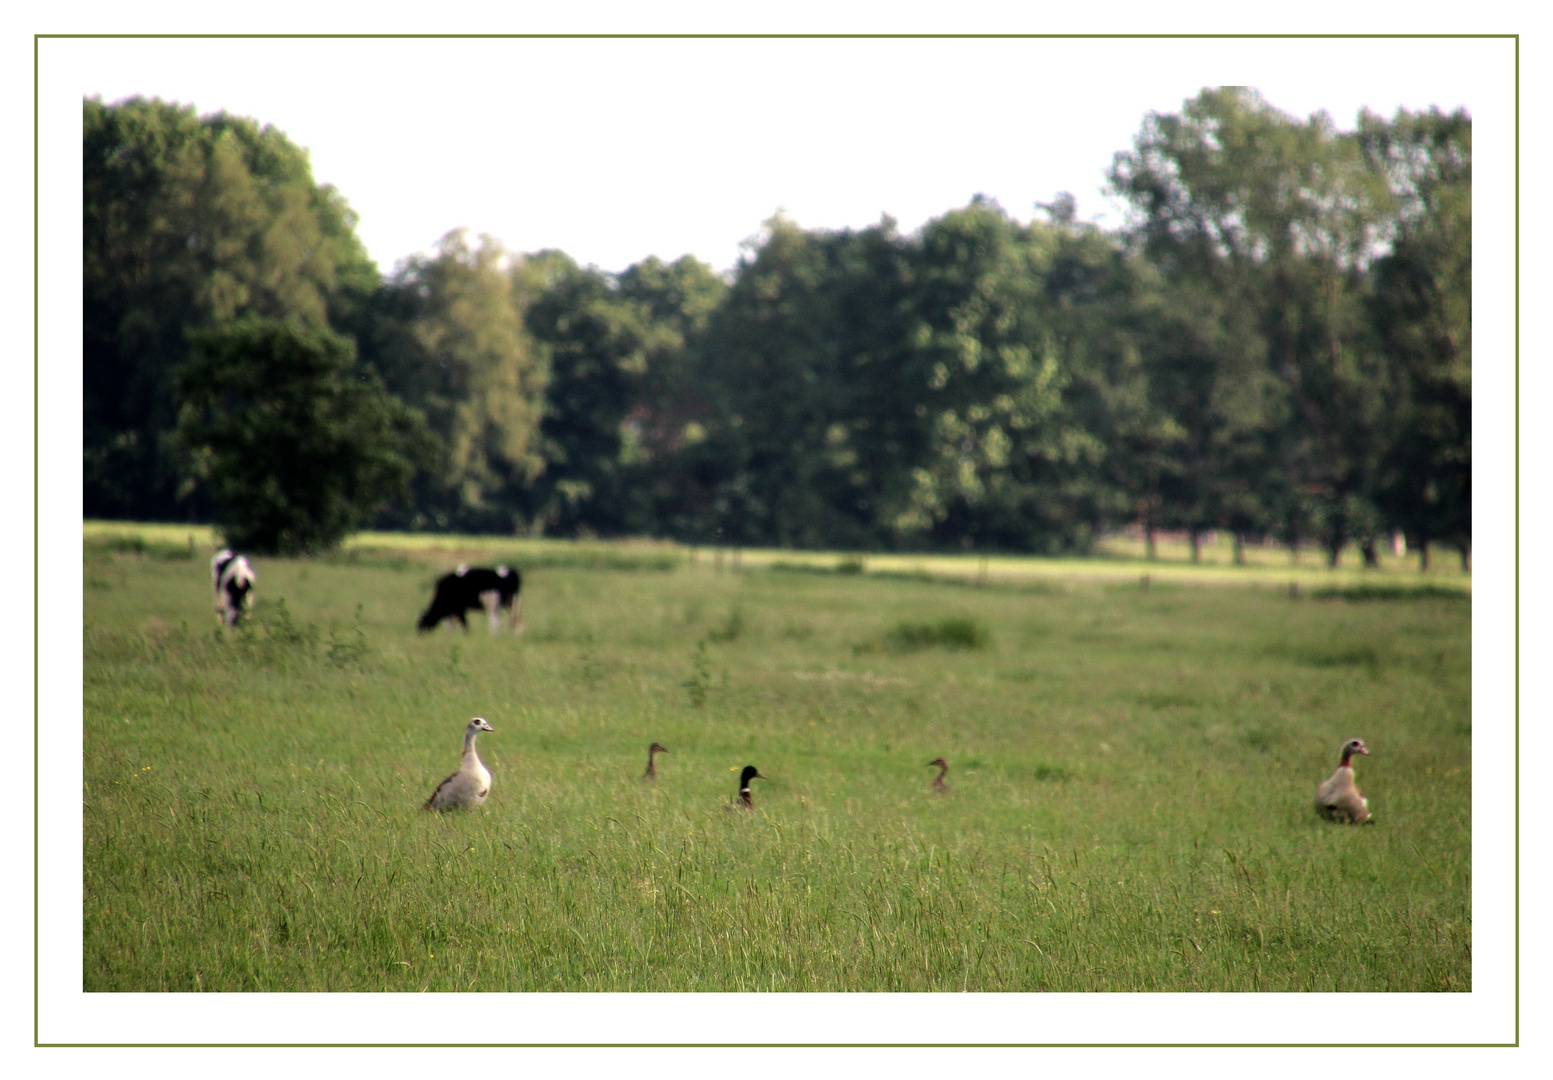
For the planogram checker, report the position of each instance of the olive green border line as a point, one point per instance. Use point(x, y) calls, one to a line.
point(36, 649)
point(795, 1046)
point(774, 36)
point(1517, 538)
point(789, 37)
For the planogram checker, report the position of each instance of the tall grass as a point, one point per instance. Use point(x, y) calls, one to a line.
point(1132, 774)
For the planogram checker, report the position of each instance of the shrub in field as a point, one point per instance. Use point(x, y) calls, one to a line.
point(700, 676)
point(730, 630)
point(948, 633)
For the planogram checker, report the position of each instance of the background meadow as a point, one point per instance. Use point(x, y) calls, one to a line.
point(1132, 773)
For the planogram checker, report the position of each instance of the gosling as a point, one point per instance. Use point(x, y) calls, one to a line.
point(943, 770)
point(652, 766)
point(468, 787)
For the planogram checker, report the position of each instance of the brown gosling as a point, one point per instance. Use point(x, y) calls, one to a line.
point(1338, 798)
point(943, 770)
point(468, 787)
point(652, 766)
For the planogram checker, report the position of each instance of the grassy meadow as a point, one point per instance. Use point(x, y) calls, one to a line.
point(1132, 774)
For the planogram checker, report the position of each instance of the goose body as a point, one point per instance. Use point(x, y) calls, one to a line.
point(652, 766)
point(468, 787)
point(943, 770)
point(1339, 798)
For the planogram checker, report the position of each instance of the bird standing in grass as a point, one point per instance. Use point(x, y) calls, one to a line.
point(652, 766)
point(745, 803)
point(468, 787)
point(943, 770)
point(1339, 798)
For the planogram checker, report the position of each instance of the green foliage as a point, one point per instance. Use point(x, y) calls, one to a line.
point(620, 392)
point(1289, 395)
point(297, 444)
point(1277, 344)
point(447, 334)
point(952, 633)
point(1131, 807)
point(190, 222)
point(700, 678)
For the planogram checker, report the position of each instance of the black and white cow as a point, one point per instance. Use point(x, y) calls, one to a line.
point(471, 587)
point(233, 579)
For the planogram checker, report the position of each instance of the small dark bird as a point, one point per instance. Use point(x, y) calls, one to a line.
point(749, 773)
point(943, 770)
point(652, 766)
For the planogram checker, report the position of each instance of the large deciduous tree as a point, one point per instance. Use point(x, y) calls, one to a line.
point(298, 444)
point(190, 222)
point(447, 336)
point(1422, 311)
point(1273, 221)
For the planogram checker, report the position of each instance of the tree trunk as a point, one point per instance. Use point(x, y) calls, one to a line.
point(1196, 541)
point(1466, 557)
point(1423, 556)
point(1371, 559)
point(1240, 549)
point(1148, 540)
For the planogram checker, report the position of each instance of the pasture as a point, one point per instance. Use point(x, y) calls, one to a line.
point(1131, 769)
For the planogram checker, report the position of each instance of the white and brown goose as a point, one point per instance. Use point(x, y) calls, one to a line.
point(468, 787)
point(1339, 798)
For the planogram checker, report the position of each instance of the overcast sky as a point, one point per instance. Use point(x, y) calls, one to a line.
point(613, 150)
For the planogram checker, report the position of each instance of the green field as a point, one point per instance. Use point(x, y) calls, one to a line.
point(1132, 774)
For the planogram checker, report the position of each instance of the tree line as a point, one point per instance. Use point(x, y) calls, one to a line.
point(1276, 343)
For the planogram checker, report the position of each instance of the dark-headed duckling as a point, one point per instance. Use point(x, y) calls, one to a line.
point(749, 773)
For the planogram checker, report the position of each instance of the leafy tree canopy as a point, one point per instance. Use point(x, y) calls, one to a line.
point(298, 444)
point(190, 222)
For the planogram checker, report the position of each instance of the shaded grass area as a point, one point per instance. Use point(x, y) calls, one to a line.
point(1132, 774)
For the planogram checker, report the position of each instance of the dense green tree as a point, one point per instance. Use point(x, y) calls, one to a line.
point(190, 222)
point(298, 444)
point(1009, 462)
point(447, 335)
point(1276, 219)
point(806, 393)
point(1422, 312)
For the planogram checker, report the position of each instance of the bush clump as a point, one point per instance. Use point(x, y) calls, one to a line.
point(953, 633)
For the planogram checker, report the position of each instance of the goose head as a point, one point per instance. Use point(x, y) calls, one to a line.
point(749, 773)
point(937, 762)
point(1352, 747)
point(657, 748)
point(478, 724)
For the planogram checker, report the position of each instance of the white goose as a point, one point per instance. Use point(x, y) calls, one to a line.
point(468, 787)
point(1339, 798)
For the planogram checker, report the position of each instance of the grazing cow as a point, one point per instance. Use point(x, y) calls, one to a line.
point(471, 587)
point(233, 579)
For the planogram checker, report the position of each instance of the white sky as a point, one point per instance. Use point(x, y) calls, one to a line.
point(613, 150)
